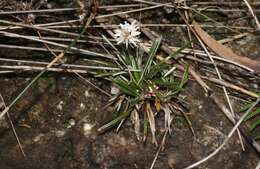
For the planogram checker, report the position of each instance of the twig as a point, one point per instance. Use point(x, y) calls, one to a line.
point(87, 81)
point(6, 72)
point(227, 139)
point(180, 7)
point(63, 9)
point(40, 68)
point(203, 54)
point(56, 25)
point(81, 77)
point(28, 48)
point(13, 128)
point(160, 147)
point(239, 36)
point(224, 10)
point(153, 25)
point(253, 14)
point(60, 56)
point(118, 6)
point(232, 86)
point(64, 66)
point(67, 68)
point(131, 11)
point(221, 3)
point(39, 28)
point(258, 165)
point(37, 11)
point(82, 51)
point(223, 87)
point(185, 51)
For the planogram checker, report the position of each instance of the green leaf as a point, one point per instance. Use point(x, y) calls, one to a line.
point(125, 87)
point(135, 66)
point(253, 114)
point(254, 125)
point(114, 122)
point(177, 52)
point(167, 83)
point(151, 54)
point(184, 79)
point(246, 106)
point(257, 137)
point(158, 67)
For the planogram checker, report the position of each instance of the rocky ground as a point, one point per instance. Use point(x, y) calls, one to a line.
point(57, 118)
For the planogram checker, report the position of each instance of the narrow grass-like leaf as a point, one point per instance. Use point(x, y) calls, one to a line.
point(174, 54)
point(125, 88)
point(185, 77)
point(177, 52)
point(114, 122)
point(135, 66)
point(253, 114)
point(257, 137)
point(246, 106)
point(158, 67)
point(254, 125)
point(156, 70)
point(173, 85)
point(151, 54)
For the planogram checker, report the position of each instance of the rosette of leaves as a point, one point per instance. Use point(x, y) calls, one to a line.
point(147, 87)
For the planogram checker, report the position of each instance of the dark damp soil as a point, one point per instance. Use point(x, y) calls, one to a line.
point(57, 137)
point(56, 121)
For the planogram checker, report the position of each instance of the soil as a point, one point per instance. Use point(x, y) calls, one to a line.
point(58, 117)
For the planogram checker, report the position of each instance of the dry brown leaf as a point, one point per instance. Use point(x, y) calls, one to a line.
point(167, 117)
point(136, 121)
point(158, 104)
point(150, 115)
point(224, 51)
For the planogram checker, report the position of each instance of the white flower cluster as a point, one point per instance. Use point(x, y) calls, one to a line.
point(127, 34)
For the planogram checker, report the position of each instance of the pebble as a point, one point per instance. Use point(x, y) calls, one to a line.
point(86, 93)
point(71, 123)
point(60, 133)
point(82, 106)
point(60, 105)
point(87, 128)
point(114, 90)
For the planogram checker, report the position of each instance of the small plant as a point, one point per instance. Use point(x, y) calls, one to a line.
point(147, 89)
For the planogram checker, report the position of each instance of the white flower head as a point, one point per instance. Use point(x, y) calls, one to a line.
point(127, 33)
